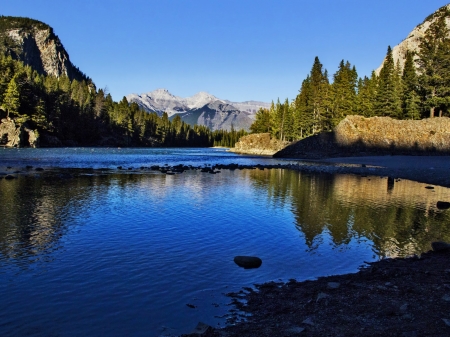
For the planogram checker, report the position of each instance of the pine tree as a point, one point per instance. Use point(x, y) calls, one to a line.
point(388, 101)
point(302, 114)
point(410, 96)
point(11, 100)
point(343, 93)
point(434, 65)
point(319, 83)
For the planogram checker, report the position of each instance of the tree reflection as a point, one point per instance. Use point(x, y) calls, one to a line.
point(400, 220)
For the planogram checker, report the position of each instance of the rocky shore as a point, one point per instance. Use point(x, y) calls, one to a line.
point(360, 136)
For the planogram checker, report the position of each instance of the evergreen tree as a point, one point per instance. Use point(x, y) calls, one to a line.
point(434, 65)
point(319, 90)
point(366, 96)
point(388, 101)
point(262, 122)
point(343, 101)
point(410, 96)
point(11, 100)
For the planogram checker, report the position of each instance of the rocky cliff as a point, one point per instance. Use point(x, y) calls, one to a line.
point(359, 136)
point(259, 144)
point(13, 135)
point(412, 42)
point(35, 44)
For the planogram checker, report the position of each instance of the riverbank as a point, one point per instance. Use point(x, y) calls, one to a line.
point(392, 297)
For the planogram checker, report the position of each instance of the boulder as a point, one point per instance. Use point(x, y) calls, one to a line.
point(443, 205)
point(248, 262)
point(440, 246)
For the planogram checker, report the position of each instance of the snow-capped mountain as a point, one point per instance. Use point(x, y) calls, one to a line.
point(201, 108)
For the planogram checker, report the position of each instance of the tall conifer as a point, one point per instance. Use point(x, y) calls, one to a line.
point(434, 65)
point(387, 98)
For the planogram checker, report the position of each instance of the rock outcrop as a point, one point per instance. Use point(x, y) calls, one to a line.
point(412, 42)
point(12, 135)
point(35, 44)
point(259, 144)
point(359, 136)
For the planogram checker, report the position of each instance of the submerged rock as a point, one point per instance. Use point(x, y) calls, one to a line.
point(202, 329)
point(443, 205)
point(440, 246)
point(248, 262)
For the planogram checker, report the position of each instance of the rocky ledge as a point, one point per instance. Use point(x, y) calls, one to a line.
point(360, 136)
point(260, 144)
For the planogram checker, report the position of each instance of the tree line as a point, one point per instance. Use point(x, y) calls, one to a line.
point(76, 113)
point(419, 89)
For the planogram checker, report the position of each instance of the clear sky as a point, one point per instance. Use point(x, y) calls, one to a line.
point(234, 49)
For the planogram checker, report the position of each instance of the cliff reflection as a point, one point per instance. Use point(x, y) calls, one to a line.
point(399, 217)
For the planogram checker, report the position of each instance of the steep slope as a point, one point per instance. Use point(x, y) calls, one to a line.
point(412, 42)
point(35, 44)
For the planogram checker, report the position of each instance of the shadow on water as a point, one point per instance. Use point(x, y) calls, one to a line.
point(400, 218)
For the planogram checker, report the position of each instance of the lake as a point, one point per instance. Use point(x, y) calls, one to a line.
point(124, 252)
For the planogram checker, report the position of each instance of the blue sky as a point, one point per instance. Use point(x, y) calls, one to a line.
point(234, 49)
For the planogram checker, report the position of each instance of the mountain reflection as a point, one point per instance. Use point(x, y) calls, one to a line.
point(399, 217)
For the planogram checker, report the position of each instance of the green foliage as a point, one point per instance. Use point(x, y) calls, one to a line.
point(434, 66)
point(410, 95)
point(388, 101)
point(262, 122)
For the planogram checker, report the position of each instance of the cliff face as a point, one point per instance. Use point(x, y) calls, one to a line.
point(259, 144)
point(35, 44)
point(359, 136)
point(12, 135)
point(412, 42)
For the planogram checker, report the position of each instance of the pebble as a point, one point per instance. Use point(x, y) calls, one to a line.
point(308, 321)
point(333, 285)
point(321, 296)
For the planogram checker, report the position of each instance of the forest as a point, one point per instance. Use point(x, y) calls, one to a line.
point(78, 114)
point(420, 90)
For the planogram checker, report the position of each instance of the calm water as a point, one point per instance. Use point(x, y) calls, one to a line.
point(122, 253)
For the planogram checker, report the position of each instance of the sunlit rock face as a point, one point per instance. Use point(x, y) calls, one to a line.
point(412, 42)
point(36, 45)
point(356, 136)
point(259, 144)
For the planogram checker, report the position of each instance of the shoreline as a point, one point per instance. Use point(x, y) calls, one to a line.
point(434, 170)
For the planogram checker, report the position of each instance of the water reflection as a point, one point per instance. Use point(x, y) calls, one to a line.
point(399, 217)
point(120, 253)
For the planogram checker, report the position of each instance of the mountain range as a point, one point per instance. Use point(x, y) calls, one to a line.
point(201, 108)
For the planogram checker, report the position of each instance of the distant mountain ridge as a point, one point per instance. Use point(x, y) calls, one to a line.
point(201, 108)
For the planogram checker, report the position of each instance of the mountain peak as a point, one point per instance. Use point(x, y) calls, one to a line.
point(35, 44)
point(412, 41)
